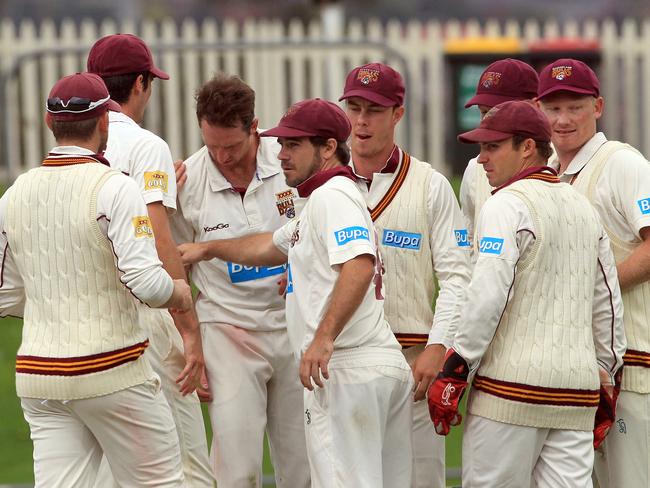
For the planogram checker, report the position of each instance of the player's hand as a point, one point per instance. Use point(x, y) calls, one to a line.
point(314, 362)
point(181, 299)
point(426, 368)
point(203, 391)
point(192, 375)
point(192, 252)
point(282, 284)
point(181, 173)
point(606, 412)
point(446, 391)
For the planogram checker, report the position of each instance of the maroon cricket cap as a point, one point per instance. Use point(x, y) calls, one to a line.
point(376, 82)
point(79, 97)
point(121, 54)
point(516, 117)
point(504, 80)
point(313, 118)
point(568, 75)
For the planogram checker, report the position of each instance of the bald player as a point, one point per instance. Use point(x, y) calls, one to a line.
point(421, 236)
point(78, 255)
point(126, 65)
point(504, 80)
point(615, 178)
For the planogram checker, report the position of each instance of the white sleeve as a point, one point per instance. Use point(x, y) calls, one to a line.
point(180, 226)
point(129, 230)
point(153, 171)
point(12, 291)
point(505, 232)
point(282, 236)
point(467, 195)
point(607, 321)
point(629, 175)
point(342, 224)
point(450, 253)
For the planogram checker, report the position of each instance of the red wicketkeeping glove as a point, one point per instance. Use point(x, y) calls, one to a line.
point(606, 413)
point(445, 392)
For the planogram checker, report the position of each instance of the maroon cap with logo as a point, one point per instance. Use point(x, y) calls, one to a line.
point(504, 80)
point(516, 117)
point(376, 82)
point(121, 54)
point(568, 75)
point(313, 118)
point(79, 97)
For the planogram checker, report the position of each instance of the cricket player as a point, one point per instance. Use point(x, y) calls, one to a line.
point(502, 81)
point(541, 330)
point(125, 63)
point(234, 187)
point(78, 254)
point(357, 419)
point(615, 178)
point(421, 236)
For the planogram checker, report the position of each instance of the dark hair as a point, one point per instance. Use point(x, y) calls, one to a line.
point(544, 149)
point(74, 129)
point(120, 86)
point(342, 149)
point(226, 101)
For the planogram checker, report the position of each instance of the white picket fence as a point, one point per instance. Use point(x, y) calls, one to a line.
point(287, 62)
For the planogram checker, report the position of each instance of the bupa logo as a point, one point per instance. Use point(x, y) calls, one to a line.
point(644, 205)
point(156, 180)
point(462, 238)
point(240, 273)
point(491, 245)
point(349, 234)
point(403, 240)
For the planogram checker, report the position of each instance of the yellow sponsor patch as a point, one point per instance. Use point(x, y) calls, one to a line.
point(142, 226)
point(156, 180)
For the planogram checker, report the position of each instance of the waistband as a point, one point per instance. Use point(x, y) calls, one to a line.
point(368, 356)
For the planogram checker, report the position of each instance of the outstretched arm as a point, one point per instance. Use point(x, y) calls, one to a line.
point(251, 250)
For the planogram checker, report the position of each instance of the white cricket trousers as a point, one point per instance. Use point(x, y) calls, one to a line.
point(428, 446)
point(133, 428)
point(623, 461)
point(499, 455)
point(165, 353)
point(359, 424)
point(253, 377)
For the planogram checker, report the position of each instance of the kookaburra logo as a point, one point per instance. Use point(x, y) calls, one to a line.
point(447, 392)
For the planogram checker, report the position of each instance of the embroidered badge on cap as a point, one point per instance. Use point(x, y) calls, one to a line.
point(142, 226)
point(491, 79)
point(367, 76)
point(284, 202)
point(561, 72)
point(156, 180)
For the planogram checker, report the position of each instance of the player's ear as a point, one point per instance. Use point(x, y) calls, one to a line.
point(254, 125)
point(48, 120)
point(398, 113)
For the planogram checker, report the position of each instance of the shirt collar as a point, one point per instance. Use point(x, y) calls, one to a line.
point(120, 117)
point(317, 180)
point(60, 154)
point(392, 163)
point(583, 156)
point(535, 172)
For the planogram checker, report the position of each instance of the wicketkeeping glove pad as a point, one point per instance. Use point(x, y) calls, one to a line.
point(446, 391)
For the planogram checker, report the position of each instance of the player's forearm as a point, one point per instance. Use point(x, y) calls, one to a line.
point(636, 268)
point(350, 288)
point(251, 250)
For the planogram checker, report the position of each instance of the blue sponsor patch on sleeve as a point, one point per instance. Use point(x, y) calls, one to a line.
point(289, 281)
point(644, 205)
point(349, 234)
point(462, 238)
point(240, 273)
point(403, 240)
point(491, 245)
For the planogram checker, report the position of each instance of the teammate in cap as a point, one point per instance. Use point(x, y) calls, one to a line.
point(77, 254)
point(125, 63)
point(541, 329)
point(234, 187)
point(421, 235)
point(502, 81)
point(616, 179)
point(357, 419)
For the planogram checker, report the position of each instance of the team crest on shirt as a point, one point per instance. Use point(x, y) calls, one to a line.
point(284, 202)
point(295, 237)
point(156, 180)
point(142, 226)
point(367, 75)
point(561, 72)
point(491, 79)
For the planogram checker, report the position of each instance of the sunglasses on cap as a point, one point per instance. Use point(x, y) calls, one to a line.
point(74, 105)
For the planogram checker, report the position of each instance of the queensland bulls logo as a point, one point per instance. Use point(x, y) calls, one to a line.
point(561, 72)
point(284, 202)
point(367, 75)
point(490, 79)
